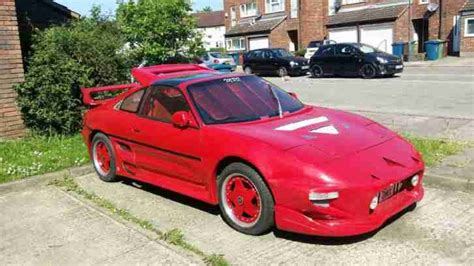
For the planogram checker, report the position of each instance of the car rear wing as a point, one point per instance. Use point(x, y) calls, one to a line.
point(147, 75)
point(104, 94)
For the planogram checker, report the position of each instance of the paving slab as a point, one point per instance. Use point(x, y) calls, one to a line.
point(45, 226)
point(438, 231)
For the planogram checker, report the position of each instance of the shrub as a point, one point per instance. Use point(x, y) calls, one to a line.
point(300, 52)
point(66, 58)
point(159, 29)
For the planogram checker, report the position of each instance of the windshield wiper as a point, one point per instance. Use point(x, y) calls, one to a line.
point(280, 110)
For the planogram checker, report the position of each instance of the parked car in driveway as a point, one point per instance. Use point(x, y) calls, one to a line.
point(238, 141)
point(224, 68)
point(354, 59)
point(217, 58)
point(312, 48)
point(274, 61)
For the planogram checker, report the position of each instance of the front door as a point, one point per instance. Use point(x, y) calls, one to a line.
point(347, 59)
point(166, 151)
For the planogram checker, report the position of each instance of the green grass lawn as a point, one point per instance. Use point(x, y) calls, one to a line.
point(39, 155)
point(434, 150)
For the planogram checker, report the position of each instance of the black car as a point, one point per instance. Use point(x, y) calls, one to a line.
point(354, 59)
point(274, 61)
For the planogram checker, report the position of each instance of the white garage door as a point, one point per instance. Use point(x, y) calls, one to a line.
point(258, 43)
point(378, 36)
point(343, 34)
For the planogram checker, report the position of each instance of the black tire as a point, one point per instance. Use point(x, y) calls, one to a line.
point(317, 72)
point(248, 70)
point(282, 72)
point(368, 71)
point(265, 220)
point(111, 174)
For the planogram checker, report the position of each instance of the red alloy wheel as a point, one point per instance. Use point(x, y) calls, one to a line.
point(102, 158)
point(243, 200)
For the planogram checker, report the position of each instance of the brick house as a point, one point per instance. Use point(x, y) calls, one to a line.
point(18, 18)
point(467, 29)
point(382, 22)
point(290, 24)
point(212, 28)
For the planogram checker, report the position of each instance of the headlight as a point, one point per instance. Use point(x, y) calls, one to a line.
point(374, 203)
point(293, 64)
point(414, 180)
point(382, 60)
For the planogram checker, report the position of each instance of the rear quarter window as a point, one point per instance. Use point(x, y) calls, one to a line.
point(132, 102)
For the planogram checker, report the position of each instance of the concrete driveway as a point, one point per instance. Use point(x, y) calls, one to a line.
point(438, 231)
point(42, 225)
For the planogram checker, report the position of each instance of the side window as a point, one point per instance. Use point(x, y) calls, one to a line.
point(327, 50)
point(132, 102)
point(162, 102)
point(344, 49)
point(206, 57)
point(268, 54)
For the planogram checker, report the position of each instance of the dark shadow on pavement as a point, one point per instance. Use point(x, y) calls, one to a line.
point(185, 200)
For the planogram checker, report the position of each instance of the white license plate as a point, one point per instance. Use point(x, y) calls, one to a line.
point(305, 67)
point(398, 66)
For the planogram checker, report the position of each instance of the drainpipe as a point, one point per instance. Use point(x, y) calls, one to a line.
point(409, 27)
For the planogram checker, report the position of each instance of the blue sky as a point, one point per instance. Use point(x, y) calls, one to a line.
point(83, 6)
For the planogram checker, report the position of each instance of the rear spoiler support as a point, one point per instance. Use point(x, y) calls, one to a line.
point(87, 93)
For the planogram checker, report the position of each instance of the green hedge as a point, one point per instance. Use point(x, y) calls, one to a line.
point(66, 58)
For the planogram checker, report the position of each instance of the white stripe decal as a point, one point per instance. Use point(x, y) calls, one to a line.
point(331, 130)
point(301, 124)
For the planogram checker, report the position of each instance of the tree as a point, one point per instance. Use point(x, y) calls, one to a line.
point(65, 58)
point(207, 9)
point(159, 29)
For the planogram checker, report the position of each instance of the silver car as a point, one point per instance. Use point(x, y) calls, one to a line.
point(218, 58)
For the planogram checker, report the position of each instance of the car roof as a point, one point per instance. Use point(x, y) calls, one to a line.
point(176, 81)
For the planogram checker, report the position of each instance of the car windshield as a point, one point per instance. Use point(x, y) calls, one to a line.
point(240, 99)
point(367, 49)
point(219, 55)
point(282, 53)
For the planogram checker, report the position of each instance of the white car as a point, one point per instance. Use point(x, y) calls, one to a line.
point(218, 58)
point(312, 48)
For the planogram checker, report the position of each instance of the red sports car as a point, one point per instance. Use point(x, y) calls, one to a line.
point(257, 151)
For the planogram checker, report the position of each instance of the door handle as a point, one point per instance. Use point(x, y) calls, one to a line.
point(136, 130)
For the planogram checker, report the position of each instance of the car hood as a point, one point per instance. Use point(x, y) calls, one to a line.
point(300, 60)
point(390, 57)
point(330, 132)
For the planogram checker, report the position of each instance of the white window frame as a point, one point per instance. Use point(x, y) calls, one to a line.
point(424, 2)
point(294, 8)
point(233, 16)
point(352, 2)
point(466, 22)
point(231, 44)
point(244, 9)
point(270, 4)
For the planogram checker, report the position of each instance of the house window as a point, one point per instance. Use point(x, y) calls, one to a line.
point(469, 27)
point(294, 9)
point(248, 9)
point(235, 44)
point(272, 6)
point(233, 16)
point(424, 2)
point(350, 2)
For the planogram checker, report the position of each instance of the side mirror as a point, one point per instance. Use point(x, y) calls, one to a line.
point(181, 119)
point(294, 95)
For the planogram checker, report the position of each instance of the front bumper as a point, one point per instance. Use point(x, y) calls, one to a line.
point(296, 221)
point(298, 70)
point(390, 69)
